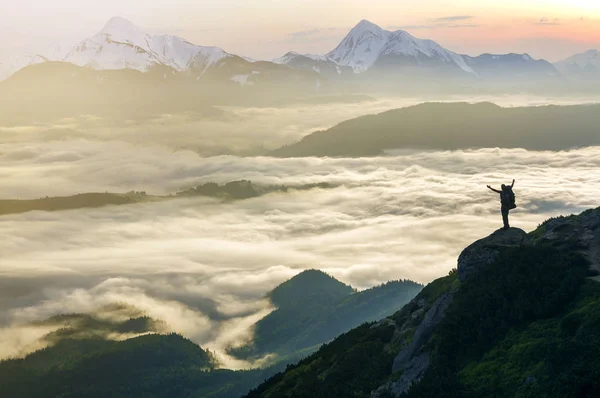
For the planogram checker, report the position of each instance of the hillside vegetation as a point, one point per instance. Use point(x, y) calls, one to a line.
point(525, 325)
point(120, 352)
point(313, 308)
point(450, 126)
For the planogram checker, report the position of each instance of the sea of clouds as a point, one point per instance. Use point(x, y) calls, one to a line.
point(204, 266)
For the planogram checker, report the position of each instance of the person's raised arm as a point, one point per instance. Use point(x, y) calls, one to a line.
point(495, 190)
point(513, 184)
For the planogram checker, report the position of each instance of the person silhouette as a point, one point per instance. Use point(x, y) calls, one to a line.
point(507, 201)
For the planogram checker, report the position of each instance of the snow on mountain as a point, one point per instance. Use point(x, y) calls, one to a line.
point(512, 67)
point(122, 45)
point(243, 79)
point(15, 63)
point(590, 57)
point(206, 57)
point(368, 43)
point(292, 55)
point(367, 46)
point(581, 66)
point(314, 63)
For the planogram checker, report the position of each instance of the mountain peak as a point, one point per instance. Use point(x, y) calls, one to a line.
point(121, 27)
point(123, 45)
point(365, 23)
point(308, 284)
point(366, 26)
point(485, 251)
point(576, 65)
point(368, 44)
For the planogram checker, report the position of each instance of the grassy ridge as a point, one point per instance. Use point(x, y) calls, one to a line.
point(453, 126)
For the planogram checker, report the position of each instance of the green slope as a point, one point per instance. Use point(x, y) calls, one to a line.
point(82, 360)
point(526, 325)
point(356, 362)
point(313, 308)
point(569, 344)
point(98, 368)
point(146, 366)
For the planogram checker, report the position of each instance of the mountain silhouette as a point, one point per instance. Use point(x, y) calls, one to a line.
point(455, 126)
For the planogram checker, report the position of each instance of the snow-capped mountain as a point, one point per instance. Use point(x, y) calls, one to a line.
point(122, 45)
point(368, 47)
point(368, 44)
point(292, 55)
point(310, 62)
point(584, 59)
point(581, 66)
point(515, 67)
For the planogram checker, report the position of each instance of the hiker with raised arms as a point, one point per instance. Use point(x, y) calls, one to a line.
point(507, 200)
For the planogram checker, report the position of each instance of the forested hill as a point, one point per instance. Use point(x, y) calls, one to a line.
point(85, 357)
point(519, 318)
point(314, 308)
point(450, 126)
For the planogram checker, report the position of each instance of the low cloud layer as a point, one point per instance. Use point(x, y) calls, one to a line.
point(203, 267)
point(230, 130)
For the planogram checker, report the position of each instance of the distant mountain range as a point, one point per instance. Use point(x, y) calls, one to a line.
point(584, 66)
point(121, 45)
point(367, 52)
point(372, 51)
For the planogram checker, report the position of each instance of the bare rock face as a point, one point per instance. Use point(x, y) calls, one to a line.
point(485, 251)
point(412, 360)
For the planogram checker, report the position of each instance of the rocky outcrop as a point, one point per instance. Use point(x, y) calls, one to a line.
point(412, 361)
point(580, 233)
point(485, 251)
point(423, 333)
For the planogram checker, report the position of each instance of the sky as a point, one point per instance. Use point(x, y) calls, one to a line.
point(265, 29)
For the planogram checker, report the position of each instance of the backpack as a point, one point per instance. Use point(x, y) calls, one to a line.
point(508, 199)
